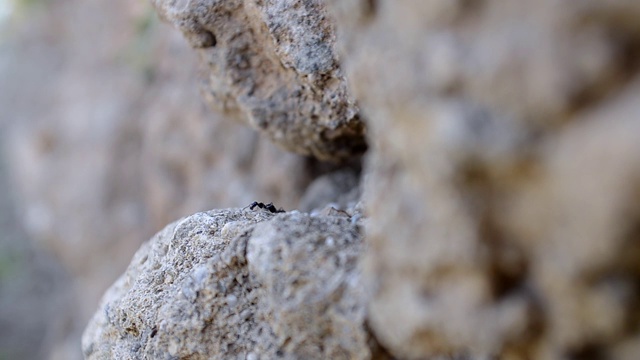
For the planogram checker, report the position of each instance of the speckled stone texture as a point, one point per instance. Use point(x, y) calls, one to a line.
point(272, 64)
point(238, 284)
point(312, 294)
point(501, 190)
point(118, 138)
point(503, 193)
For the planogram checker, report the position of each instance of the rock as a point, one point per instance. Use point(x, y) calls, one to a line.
point(238, 284)
point(312, 293)
point(339, 189)
point(502, 193)
point(118, 139)
point(272, 64)
point(124, 146)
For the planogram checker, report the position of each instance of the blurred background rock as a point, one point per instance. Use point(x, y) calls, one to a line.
point(104, 139)
point(502, 193)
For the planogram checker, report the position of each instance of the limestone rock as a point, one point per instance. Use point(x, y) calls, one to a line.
point(313, 293)
point(503, 182)
point(119, 139)
point(238, 284)
point(272, 64)
point(338, 189)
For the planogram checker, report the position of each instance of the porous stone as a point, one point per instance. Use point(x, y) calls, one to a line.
point(502, 193)
point(272, 64)
point(338, 189)
point(185, 294)
point(124, 146)
point(238, 284)
point(312, 290)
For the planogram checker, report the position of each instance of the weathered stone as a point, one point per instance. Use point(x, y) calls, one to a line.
point(313, 294)
point(272, 64)
point(216, 285)
point(502, 187)
point(117, 138)
point(183, 289)
point(339, 189)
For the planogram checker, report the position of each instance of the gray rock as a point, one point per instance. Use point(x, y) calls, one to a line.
point(503, 185)
point(272, 64)
point(339, 189)
point(312, 291)
point(238, 284)
point(126, 146)
point(185, 287)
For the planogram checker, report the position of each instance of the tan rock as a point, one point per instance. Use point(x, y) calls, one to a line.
point(272, 64)
point(107, 140)
point(238, 284)
point(503, 179)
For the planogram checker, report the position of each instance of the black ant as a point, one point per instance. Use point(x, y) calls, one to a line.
point(268, 206)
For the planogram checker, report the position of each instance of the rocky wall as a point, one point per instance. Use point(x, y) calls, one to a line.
point(503, 193)
point(107, 139)
point(238, 284)
point(272, 64)
point(500, 195)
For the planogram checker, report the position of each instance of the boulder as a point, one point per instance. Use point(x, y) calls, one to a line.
point(502, 193)
point(238, 284)
point(272, 64)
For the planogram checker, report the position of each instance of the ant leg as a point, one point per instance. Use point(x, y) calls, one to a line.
point(251, 206)
point(271, 208)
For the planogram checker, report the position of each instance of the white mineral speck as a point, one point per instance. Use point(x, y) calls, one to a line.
point(232, 300)
point(330, 242)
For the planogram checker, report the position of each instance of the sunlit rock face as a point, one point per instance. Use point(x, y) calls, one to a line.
point(273, 65)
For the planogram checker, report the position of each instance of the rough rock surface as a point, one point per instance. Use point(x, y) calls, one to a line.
point(339, 189)
point(503, 183)
point(238, 284)
point(272, 64)
point(106, 145)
